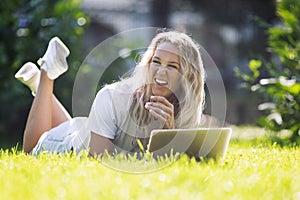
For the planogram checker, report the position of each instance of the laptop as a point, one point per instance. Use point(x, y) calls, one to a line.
point(199, 143)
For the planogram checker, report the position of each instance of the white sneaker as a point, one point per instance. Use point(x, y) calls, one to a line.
point(29, 75)
point(54, 61)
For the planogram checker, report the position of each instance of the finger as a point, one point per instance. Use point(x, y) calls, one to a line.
point(158, 105)
point(160, 115)
point(160, 99)
point(162, 103)
point(161, 112)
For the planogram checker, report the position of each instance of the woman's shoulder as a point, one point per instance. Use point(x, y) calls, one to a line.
point(117, 88)
point(116, 94)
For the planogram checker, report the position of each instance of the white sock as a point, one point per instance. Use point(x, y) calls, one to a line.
point(29, 75)
point(54, 61)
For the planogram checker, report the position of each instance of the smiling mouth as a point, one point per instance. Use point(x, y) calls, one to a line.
point(160, 82)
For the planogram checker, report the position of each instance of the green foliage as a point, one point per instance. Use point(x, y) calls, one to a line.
point(250, 170)
point(26, 26)
point(277, 78)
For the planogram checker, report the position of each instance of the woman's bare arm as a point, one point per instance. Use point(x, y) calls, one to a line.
point(99, 144)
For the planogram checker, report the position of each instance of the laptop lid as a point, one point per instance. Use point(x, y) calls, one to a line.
point(200, 142)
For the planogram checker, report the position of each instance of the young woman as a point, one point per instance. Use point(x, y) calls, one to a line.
point(166, 90)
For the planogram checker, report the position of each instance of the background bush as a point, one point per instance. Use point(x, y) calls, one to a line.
point(276, 77)
point(26, 26)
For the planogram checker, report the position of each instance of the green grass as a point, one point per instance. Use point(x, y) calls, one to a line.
point(253, 168)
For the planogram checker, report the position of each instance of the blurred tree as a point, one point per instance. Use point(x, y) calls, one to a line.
point(26, 26)
point(277, 77)
point(231, 31)
point(235, 11)
point(160, 10)
point(242, 16)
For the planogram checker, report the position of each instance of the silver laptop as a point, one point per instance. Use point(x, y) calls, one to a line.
point(198, 143)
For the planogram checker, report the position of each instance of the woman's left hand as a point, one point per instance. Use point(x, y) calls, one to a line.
point(162, 109)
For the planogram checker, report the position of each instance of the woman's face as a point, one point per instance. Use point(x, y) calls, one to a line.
point(165, 70)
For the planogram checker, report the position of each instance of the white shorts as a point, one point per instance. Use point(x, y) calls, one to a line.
point(70, 135)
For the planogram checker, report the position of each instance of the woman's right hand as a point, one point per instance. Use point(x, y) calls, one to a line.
point(160, 108)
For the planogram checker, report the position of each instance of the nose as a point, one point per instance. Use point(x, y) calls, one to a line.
point(161, 69)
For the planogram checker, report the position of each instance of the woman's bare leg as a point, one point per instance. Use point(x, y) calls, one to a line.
point(59, 113)
point(29, 75)
point(40, 115)
point(46, 111)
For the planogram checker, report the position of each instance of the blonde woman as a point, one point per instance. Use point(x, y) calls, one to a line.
point(165, 91)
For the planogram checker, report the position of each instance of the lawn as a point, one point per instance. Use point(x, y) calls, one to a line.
point(254, 168)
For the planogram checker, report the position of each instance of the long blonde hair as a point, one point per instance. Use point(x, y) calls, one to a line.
point(188, 106)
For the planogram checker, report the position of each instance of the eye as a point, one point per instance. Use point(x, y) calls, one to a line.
point(156, 62)
point(173, 66)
